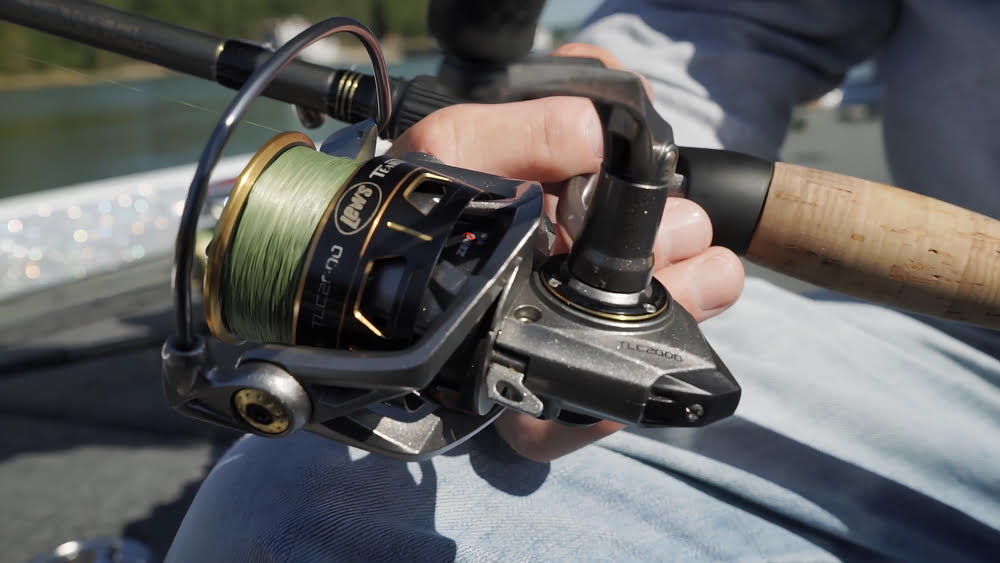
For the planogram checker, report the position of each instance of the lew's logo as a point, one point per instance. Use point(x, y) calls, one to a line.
point(357, 207)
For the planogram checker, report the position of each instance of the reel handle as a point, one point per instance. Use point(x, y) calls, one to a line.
point(880, 243)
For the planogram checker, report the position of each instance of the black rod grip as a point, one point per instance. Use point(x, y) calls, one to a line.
point(731, 187)
point(300, 83)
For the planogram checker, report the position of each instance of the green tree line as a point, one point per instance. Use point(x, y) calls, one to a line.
point(29, 50)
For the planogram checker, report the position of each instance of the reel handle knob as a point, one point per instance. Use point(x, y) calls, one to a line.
point(269, 400)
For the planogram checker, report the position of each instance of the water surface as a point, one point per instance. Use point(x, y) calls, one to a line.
point(57, 136)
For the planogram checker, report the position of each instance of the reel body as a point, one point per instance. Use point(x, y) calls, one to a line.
point(400, 304)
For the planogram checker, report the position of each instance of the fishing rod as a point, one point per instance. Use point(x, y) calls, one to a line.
point(400, 304)
point(918, 254)
point(315, 90)
point(342, 94)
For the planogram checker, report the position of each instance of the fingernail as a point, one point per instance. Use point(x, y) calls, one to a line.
point(711, 281)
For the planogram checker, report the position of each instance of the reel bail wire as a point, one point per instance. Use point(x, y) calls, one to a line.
point(186, 361)
point(185, 340)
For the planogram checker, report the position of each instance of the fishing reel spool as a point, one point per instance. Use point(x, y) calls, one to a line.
point(399, 304)
point(358, 254)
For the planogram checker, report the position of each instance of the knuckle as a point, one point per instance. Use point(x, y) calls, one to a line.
point(588, 51)
point(424, 136)
point(435, 134)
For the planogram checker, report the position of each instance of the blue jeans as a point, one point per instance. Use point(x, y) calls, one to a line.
point(863, 434)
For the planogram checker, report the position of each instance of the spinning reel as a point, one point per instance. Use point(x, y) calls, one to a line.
point(399, 304)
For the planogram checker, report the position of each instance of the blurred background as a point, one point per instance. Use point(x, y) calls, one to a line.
point(97, 152)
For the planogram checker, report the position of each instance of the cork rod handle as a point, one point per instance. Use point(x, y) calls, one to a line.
point(880, 243)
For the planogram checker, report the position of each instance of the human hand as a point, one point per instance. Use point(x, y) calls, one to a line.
point(550, 140)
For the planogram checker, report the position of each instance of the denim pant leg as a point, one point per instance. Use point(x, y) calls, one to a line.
point(863, 435)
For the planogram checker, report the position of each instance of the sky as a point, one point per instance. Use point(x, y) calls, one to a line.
point(567, 13)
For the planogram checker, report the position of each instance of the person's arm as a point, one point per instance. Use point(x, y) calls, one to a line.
point(725, 73)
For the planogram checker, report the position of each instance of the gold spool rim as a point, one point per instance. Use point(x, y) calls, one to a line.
point(225, 228)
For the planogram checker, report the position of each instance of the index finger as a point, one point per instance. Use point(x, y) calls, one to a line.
point(547, 140)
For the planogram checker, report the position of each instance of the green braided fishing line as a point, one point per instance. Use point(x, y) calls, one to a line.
point(264, 266)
